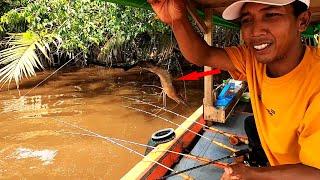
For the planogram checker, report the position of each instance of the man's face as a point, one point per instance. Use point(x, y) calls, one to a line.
point(269, 31)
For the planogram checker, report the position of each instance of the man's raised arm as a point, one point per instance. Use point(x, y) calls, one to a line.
point(192, 46)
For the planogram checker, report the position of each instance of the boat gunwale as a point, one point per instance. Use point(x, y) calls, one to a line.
point(147, 169)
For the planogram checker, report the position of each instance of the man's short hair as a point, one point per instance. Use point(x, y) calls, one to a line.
point(299, 7)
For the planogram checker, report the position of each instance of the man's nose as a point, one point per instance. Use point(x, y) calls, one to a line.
point(258, 29)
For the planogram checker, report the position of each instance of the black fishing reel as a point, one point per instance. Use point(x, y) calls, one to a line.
point(160, 137)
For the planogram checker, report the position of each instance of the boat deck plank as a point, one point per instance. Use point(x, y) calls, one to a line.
point(206, 149)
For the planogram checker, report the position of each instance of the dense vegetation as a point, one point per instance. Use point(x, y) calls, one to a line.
point(77, 29)
point(47, 33)
point(80, 23)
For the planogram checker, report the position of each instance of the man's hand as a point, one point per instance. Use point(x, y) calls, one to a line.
point(169, 11)
point(192, 46)
point(237, 172)
point(289, 171)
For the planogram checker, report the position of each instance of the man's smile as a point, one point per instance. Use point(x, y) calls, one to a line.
point(261, 46)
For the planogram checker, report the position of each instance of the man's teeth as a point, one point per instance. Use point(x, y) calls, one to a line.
point(260, 47)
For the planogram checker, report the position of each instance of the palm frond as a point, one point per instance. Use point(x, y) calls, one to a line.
point(20, 58)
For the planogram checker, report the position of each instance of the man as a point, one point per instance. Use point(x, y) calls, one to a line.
point(282, 74)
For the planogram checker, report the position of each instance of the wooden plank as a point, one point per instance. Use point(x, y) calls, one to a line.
point(209, 99)
point(221, 115)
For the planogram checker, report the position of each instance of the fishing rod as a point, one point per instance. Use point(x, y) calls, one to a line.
point(233, 139)
point(212, 141)
point(123, 146)
point(188, 156)
point(234, 155)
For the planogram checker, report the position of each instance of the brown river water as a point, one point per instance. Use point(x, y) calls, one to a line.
point(37, 141)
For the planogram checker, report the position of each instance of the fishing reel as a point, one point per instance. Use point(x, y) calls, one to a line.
point(237, 141)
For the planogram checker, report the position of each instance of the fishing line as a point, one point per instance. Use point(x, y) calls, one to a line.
point(156, 149)
point(119, 144)
point(113, 141)
point(161, 108)
point(214, 142)
point(53, 73)
point(44, 80)
point(186, 118)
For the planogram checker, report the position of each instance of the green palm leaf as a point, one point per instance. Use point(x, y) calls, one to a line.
point(21, 59)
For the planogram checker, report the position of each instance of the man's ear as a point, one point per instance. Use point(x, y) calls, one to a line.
point(303, 21)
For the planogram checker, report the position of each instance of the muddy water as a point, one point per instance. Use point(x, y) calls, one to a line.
point(36, 142)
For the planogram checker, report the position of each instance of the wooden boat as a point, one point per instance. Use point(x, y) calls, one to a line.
point(187, 139)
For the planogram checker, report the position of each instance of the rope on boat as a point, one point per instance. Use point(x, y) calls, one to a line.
point(212, 141)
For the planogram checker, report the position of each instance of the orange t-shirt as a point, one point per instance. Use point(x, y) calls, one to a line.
point(286, 109)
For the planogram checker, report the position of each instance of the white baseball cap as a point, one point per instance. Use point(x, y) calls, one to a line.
point(232, 12)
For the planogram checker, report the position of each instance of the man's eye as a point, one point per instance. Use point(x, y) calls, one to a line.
point(245, 21)
point(272, 14)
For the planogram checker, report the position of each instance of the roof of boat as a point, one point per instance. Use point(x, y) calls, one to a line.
point(220, 5)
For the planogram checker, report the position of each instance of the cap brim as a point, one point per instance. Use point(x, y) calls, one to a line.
point(233, 11)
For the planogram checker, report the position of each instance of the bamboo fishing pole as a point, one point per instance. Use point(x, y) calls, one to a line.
point(217, 164)
point(234, 155)
point(233, 138)
point(212, 141)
